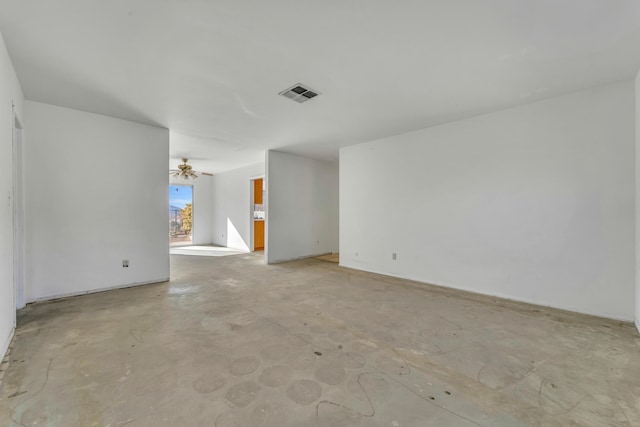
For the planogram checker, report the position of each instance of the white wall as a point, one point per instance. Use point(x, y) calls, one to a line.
point(96, 193)
point(534, 203)
point(637, 254)
point(232, 206)
point(302, 207)
point(10, 92)
point(202, 206)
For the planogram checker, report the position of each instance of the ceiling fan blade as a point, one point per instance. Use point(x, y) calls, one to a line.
point(206, 173)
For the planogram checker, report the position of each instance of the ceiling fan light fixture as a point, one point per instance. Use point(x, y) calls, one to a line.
point(186, 172)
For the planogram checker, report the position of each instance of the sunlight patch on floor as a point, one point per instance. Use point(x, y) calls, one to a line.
point(205, 251)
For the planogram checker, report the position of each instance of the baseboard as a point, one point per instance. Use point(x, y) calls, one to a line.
point(498, 295)
point(94, 291)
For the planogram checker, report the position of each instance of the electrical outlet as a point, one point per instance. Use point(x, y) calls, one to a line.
point(125, 263)
point(394, 256)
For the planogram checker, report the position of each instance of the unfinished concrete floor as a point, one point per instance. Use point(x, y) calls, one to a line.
point(232, 342)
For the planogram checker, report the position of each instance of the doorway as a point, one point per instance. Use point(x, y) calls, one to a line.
point(18, 217)
point(258, 213)
point(180, 215)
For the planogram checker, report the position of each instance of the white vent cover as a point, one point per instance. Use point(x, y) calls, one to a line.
point(299, 93)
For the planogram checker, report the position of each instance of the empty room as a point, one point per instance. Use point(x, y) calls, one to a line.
point(296, 213)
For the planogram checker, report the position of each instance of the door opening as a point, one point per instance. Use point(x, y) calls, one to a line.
point(180, 215)
point(258, 213)
point(18, 218)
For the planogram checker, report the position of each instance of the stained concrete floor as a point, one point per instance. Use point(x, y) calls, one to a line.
point(232, 342)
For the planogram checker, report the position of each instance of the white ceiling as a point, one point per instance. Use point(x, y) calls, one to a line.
point(214, 68)
point(210, 155)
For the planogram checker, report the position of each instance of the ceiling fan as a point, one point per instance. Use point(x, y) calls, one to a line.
point(185, 171)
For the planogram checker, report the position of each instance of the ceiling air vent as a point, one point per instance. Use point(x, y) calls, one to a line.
point(299, 93)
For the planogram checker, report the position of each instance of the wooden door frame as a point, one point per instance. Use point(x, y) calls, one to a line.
point(251, 220)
